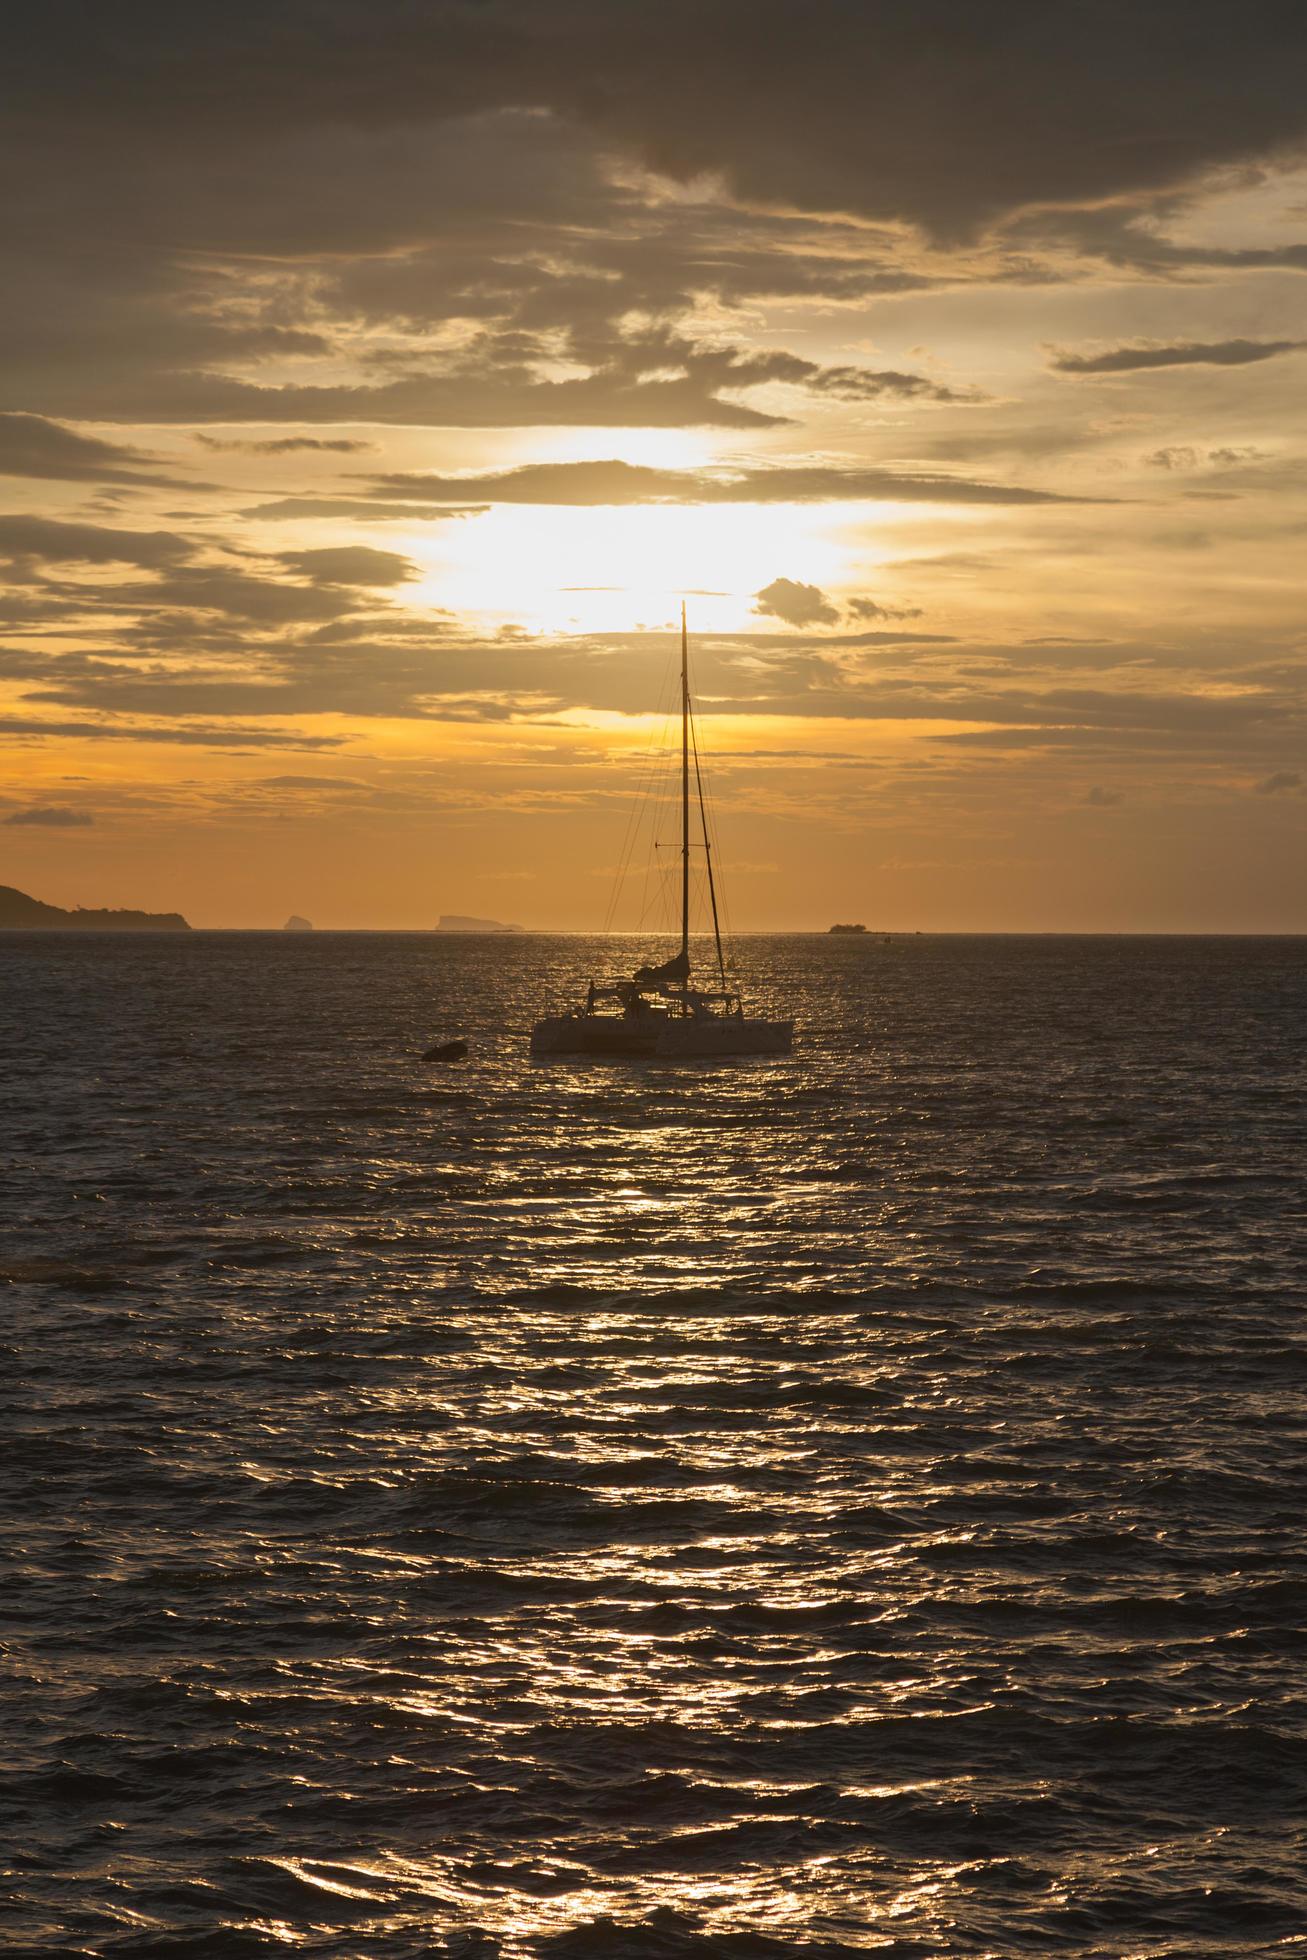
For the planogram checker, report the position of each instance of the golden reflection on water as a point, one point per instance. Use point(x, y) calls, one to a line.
point(819, 1900)
point(728, 1507)
point(512, 1677)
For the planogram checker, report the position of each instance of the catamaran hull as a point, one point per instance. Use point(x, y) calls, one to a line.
point(694, 1039)
point(584, 1034)
point(679, 1040)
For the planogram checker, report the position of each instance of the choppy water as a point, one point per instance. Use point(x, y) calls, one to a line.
point(840, 1505)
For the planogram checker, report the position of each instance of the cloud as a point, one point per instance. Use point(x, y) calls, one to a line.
point(1104, 799)
point(322, 785)
point(425, 677)
point(865, 608)
point(799, 674)
point(796, 604)
point(613, 482)
point(1283, 780)
point(946, 119)
point(333, 573)
point(468, 217)
point(216, 735)
point(359, 509)
point(494, 245)
point(1185, 353)
point(50, 540)
point(354, 564)
point(855, 384)
point(52, 817)
point(653, 380)
point(1134, 238)
point(634, 375)
point(306, 219)
point(178, 592)
point(32, 445)
point(287, 445)
point(268, 602)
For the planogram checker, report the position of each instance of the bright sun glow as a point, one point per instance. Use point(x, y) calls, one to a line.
point(619, 568)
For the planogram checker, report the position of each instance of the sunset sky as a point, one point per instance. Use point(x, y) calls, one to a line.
point(377, 378)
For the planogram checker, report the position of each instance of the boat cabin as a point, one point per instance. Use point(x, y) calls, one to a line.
point(646, 1003)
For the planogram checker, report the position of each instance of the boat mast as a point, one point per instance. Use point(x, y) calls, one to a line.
point(707, 858)
point(685, 796)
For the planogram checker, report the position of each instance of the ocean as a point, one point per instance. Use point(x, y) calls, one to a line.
point(773, 1510)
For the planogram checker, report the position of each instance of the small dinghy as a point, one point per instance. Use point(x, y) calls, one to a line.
point(447, 1051)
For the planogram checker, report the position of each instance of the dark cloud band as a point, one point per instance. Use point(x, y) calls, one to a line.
point(1185, 353)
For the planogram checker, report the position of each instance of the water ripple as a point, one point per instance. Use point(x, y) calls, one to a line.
point(836, 1506)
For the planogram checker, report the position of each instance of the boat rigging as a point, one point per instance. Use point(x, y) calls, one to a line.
point(659, 1011)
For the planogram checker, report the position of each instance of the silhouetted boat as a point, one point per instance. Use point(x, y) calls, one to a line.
point(659, 1011)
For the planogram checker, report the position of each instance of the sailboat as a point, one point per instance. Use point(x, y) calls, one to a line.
point(659, 1011)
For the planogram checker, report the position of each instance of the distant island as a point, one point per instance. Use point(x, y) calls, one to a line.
point(457, 922)
point(18, 912)
point(295, 924)
point(848, 928)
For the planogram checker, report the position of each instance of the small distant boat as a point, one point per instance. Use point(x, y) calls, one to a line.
point(659, 1011)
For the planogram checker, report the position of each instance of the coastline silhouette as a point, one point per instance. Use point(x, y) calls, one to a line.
point(19, 913)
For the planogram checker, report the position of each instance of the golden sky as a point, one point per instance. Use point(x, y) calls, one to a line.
point(377, 380)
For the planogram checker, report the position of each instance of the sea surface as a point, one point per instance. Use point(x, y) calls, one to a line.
point(772, 1510)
